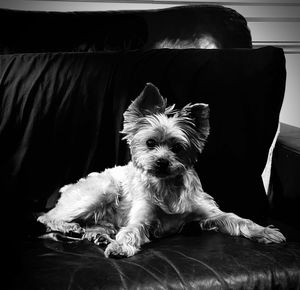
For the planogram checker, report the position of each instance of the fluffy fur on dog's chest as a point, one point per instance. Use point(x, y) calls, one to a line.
point(116, 190)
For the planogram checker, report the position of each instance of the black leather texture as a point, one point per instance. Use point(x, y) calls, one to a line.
point(204, 260)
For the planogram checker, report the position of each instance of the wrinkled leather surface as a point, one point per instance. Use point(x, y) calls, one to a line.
point(40, 31)
point(205, 260)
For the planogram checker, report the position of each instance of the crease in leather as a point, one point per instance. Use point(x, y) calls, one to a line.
point(211, 269)
point(163, 257)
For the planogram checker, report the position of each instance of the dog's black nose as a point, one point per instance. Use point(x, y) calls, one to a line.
point(162, 163)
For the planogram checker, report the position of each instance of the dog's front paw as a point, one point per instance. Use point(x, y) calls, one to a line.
point(117, 250)
point(100, 234)
point(269, 235)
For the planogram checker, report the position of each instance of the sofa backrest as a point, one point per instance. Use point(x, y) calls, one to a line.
point(193, 25)
point(188, 26)
point(61, 114)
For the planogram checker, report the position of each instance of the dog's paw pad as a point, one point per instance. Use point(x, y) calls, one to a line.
point(114, 249)
point(268, 235)
point(271, 235)
point(120, 250)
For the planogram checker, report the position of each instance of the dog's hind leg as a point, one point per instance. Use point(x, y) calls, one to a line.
point(81, 201)
point(60, 226)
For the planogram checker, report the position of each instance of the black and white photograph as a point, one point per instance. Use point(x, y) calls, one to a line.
point(150, 144)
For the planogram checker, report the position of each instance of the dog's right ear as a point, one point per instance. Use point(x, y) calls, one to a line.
point(150, 101)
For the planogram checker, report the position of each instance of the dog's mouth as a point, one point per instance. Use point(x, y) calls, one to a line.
point(163, 169)
point(161, 173)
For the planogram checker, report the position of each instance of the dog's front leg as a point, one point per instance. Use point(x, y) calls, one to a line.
point(212, 218)
point(132, 236)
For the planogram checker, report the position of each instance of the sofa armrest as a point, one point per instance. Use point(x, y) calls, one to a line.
point(284, 193)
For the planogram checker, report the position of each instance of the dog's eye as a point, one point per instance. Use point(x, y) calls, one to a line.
point(177, 148)
point(151, 143)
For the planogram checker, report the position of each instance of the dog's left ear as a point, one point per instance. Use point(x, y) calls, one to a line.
point(199, 113)
point(150, 101)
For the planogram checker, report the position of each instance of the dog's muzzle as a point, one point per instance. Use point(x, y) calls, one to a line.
point(162, 167)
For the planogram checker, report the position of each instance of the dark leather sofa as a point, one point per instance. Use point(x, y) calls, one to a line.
point(63, 93)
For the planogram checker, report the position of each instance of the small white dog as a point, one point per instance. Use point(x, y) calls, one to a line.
point(157, 191)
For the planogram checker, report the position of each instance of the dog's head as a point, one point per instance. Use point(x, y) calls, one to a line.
point(164, 142)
